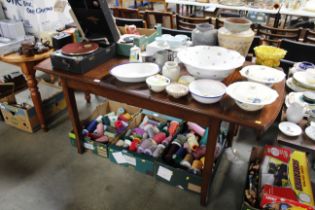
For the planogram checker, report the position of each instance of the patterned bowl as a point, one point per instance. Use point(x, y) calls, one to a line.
point(208, 62)
point(251, 96)
point(177, 90)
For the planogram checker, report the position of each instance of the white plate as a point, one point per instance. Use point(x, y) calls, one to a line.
point(262, 74)
point(301, 77)
point(134, 72)
point(290, 129)
point(207, 91)
point(310, 132)
point(291, 84)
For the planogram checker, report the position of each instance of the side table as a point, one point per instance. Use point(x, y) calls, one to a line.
point(27, 63)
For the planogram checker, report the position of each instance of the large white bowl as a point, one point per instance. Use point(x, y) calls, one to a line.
point(207, 91)
point(208, 62)
point(262, 74)
point(134, 72)
point(251, 96)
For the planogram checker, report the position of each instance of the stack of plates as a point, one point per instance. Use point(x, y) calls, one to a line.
point(300, 83)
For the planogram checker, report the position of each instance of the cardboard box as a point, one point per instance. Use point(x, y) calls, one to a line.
point(181, 177)
point(141, 162)
point(24, 118)
point(149, 36)
point(102, 109)
point(294, 194)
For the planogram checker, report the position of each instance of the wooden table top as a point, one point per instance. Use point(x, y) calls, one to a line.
point(17, 58)
point(225, 110)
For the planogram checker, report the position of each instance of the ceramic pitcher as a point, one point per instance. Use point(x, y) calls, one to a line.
point(204, 34)
point(295, 113)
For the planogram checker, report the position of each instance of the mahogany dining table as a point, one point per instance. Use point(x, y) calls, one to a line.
point(98, 81)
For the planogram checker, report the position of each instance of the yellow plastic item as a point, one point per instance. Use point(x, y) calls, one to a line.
point(269, 55)
point(299, 178)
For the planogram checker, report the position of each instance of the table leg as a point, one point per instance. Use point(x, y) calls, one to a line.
point(29, 73)
point(233, 129)
point(209, 160)
point(73, 114)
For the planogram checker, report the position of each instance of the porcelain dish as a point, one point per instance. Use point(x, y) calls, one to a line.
point(290, 129)
point(177, 90)
point(134, 72)
point(310, 132)
point(297, 97)
point(208, 62)
point(207, 91)
point(251, 96)
point(262, 74)
point(293, 85)
point(157, 83)
point(302, 78)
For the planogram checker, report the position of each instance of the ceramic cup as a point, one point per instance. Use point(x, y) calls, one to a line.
point(295, 113)
point(171, 70)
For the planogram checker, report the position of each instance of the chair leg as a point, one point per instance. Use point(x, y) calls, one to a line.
point(87, 96)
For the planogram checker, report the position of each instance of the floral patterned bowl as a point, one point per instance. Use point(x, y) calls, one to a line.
point(208, 62)
point(251, 96)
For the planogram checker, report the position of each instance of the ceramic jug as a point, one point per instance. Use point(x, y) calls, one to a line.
point(204, 34)
point(295, 113)
point(171, 70)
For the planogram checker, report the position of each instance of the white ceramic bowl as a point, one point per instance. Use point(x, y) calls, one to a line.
point(251, 96)
point(177, 90)
point(134, 72)
point(157, 83)
point(262, 74)
point(208, 62)
point(207, 91)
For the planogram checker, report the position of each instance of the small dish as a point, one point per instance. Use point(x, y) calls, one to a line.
point(157, 83)
point(262, 74)
point(302, 78)
point(290, 129)
point(310, 132)
point(177, 90)
point(207, 91)
point(186, 79)
point(294, 85)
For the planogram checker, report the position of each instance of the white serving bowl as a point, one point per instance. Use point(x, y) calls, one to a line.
point(207, 91)
point(251, 96)
point(134, 72)
point(177, 90)
point(208, 62)
point(157, 83)
point(262, 74)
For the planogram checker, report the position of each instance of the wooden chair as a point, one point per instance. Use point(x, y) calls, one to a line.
point(273, 36)
point(153, 17)
point(296, 52)
point(189, 23)
point(309, 36)
point(125, 13)
point(125, 21)
point(175, 32)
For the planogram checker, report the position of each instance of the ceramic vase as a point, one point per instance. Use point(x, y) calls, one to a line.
point(204, 34)
point(171, 70)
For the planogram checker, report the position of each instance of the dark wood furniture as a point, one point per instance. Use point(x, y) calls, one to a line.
point(309, 36)
point(126, 12)
point(189, 23)
point(153, 17)
point(140, 23)
point(26, 63)
point(99, 82)
point(273, 36)
point(175, 32)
